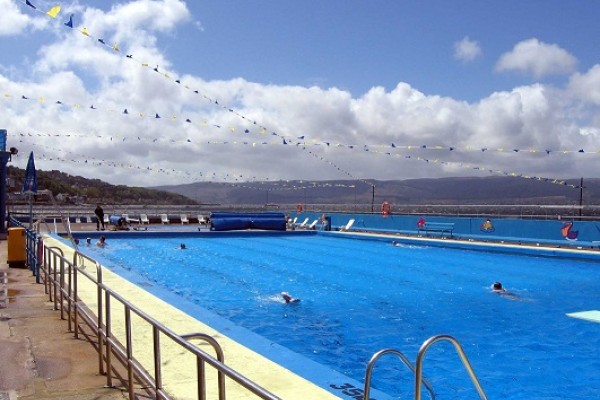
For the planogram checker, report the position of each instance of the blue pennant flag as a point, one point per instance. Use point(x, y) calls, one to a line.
point(30, 182)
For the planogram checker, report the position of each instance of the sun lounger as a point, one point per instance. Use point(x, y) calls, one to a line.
point(144, 219)
point(164, 218)
point(303, 224)
point(126, 216)
point(184, 219)
point(312, 224)
point(347, 226)
point(202, 219)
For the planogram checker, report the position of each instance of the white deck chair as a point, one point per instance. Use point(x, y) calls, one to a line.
point(303, 223)
point(201, 219)
point(348, 226)
point(77, 220)
point(106, 219)
point(126, 216)
point(164, 219)
point(184, 219)
point(144, 219)
point(312, 224)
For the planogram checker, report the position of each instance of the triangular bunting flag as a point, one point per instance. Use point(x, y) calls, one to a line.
point(53, 12)
point(70, 22)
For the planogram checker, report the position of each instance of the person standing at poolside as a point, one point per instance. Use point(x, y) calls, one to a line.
point(99, 217)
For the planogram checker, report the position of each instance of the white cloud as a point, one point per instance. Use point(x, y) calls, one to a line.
point(537, 58)
point(586, 86)
point(227, 140)
point(14, 22)
point(466, 49)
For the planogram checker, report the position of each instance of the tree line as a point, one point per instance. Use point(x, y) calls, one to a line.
point(94, 190)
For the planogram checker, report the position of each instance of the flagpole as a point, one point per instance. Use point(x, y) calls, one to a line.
point(30, 211)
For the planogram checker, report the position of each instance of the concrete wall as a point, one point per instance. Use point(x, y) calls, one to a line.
point(510, 229)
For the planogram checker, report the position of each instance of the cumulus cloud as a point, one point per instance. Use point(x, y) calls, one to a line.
point(466, 49)
point(586, 86)
point(74, 118)
point(537, 58)
point(14, 22)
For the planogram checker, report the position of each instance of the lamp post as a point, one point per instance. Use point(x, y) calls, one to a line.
point(4, 159)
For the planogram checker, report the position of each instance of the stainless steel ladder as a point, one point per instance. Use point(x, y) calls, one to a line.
point(418, 370)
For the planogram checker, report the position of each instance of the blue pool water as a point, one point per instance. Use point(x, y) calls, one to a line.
point(360, 296)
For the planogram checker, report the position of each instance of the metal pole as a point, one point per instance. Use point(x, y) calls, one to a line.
point(373, 199)
point(581, 198)
point(4, 156)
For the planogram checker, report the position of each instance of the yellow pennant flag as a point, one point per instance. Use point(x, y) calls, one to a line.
point(85, 31)
point(53, 12)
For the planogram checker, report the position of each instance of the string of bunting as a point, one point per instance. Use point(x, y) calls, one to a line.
point(213, 175)
point(54, 11)
point(253, 183)
point(298, 140)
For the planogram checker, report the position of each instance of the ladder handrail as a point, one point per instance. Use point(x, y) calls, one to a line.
point(421, 355)
point(403, 358)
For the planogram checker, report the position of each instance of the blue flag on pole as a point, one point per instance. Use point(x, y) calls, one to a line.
point(30, 182)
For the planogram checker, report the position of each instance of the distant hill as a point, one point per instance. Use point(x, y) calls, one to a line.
point(79, 189)
point(442, 191)
point(488, 190)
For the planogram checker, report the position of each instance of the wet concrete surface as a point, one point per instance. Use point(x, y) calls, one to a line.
point(39, 357)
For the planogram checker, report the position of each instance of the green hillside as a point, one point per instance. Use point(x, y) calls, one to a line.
point(79, 189)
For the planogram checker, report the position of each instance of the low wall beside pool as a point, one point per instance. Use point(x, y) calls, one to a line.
point(568, 232)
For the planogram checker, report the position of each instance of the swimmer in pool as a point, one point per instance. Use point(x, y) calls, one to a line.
point(498, 288)
point(101, 241)
point(182, 246)
point(289, 299)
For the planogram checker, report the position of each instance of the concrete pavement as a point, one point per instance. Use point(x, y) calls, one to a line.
point(39, 358)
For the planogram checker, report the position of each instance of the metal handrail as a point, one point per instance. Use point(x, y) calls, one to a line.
point(421, 355)
point(220, 356)
point(101, 325)
point(403, 358)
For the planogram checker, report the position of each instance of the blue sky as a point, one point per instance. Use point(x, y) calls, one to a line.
point(355, 45)
point(305, 90)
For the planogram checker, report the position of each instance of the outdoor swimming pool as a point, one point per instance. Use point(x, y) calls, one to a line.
point(360, 296)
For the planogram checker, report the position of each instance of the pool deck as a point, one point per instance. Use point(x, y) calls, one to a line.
point(42, 360)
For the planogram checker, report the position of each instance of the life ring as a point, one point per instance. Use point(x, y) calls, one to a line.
point(299, 207)
point(386, 208)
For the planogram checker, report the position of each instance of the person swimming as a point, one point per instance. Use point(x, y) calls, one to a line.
point(501, 290)
point(288, 298)
point(101, 241)
point(182, 246)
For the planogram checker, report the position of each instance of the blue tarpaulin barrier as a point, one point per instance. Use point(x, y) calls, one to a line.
point(241, 221)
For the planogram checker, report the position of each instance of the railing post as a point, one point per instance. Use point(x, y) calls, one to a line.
point(108, 335)
point(421, 355)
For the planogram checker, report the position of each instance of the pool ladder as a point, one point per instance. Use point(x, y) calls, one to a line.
point(418, 370)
